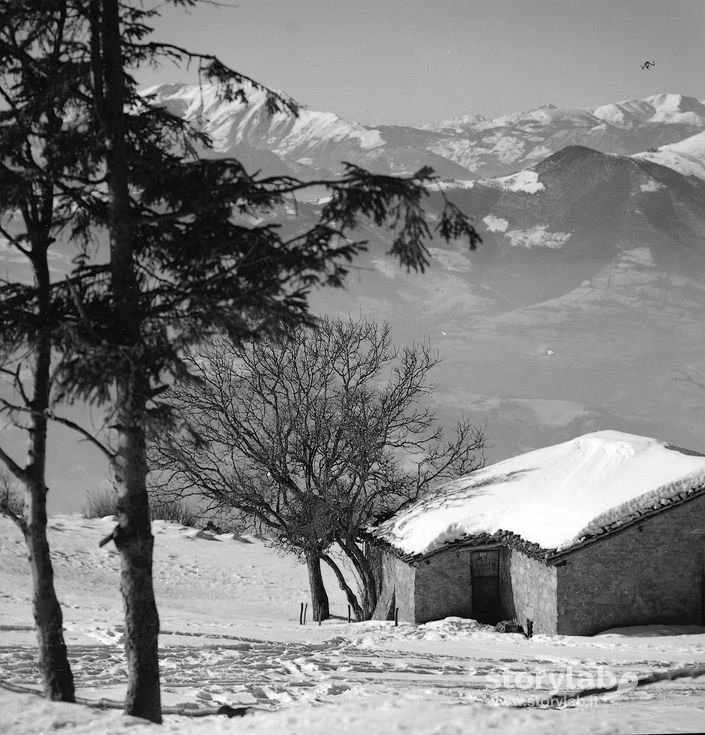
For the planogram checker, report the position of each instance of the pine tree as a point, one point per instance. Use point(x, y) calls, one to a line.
point(185, 260)
point(33, 86)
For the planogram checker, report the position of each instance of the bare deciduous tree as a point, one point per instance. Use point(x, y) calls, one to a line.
point(314, 435)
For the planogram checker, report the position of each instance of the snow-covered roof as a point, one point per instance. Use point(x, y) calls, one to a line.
point(552, 497)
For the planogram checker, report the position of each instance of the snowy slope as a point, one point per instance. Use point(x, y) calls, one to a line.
point(313, 142)
point(230, 635)
point(686, 156)
point(548, 496)
point(669, 109)
point(230, 122)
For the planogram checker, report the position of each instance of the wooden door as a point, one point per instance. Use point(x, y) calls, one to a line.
point(485, 585)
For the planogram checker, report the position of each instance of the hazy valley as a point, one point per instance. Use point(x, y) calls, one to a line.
point(583, 307)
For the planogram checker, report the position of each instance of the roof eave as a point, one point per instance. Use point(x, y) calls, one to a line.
point(532, 549)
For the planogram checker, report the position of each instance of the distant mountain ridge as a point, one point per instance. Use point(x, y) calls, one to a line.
point(627, 114)
point(583, 308)
point(549, 228)
point(315, 143)
point(499, 146)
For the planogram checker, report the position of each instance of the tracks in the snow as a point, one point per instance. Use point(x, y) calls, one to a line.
point(210, 668)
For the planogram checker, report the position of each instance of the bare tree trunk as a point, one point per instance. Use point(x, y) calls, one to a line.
point(133, 536)
point(352, 597)
point(319, 596)
point(367, 578)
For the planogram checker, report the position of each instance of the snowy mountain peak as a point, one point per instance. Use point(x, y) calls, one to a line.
point(455, 123)
point(666, 107)
point(231, 122)
point(686, 156)
point(661, 108)
point(668, 102)
point(624, 114)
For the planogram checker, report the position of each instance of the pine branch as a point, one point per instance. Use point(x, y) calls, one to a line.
point(17, 383)
point(11, 407)
point(83, 432)
point(215, 70)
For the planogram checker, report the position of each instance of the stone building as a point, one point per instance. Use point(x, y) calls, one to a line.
point(604, 531)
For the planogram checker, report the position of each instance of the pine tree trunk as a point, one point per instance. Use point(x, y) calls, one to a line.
point(319, 596)
point(133, 536)
point(57, 679)
point(135, 542)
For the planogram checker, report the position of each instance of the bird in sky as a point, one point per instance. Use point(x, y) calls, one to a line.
point(648, 64)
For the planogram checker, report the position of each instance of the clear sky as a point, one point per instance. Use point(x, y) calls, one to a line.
point(414, 61)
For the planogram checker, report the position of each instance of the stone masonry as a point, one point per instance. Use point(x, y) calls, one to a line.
point(651, 572)
point(527, 590)
point(444, 586)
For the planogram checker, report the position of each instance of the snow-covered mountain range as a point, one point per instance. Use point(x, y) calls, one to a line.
point(583, 308)
point(316, 143)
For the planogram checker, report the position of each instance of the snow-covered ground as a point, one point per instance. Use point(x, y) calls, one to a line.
point(229, 611)
point(686, 156)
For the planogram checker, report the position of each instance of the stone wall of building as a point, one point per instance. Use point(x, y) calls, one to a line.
point(506, 589)
point(444, 586)
point(527, 589)
point(652, 572)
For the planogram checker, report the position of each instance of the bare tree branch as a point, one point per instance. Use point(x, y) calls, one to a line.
point(12, 466)
point(10, 504)
point(312, 434)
